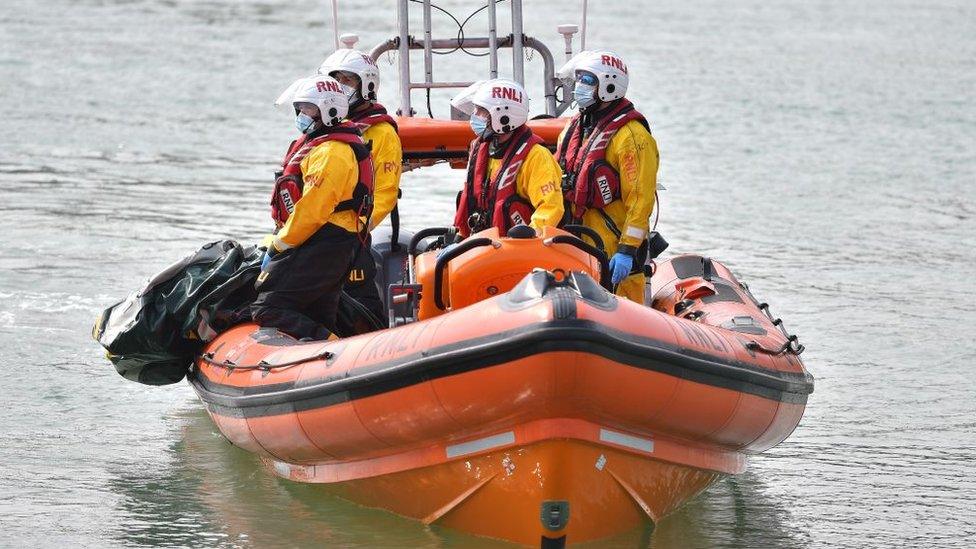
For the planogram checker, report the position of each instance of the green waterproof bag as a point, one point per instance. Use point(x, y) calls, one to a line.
point(154, 334)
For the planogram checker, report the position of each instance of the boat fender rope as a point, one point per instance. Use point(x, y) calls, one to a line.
point(792, 345)
point(263, 365)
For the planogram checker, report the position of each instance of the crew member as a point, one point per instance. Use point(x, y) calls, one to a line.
point(322, 202)
point(610, 164)
point(512, 178)
point(360, 78)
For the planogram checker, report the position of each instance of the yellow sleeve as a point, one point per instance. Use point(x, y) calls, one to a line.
point(387, 160)
point(633, 152)
point(539, 181)
point(330, 173)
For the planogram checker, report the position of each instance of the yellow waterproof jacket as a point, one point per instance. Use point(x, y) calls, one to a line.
point(330, 174)
point(538, 181)
point(632, 151)
point(387, 160)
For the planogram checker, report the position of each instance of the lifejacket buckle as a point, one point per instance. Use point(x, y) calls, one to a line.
point(474, 222)
point(568, 182)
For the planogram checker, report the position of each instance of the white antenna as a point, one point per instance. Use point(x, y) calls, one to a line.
point(568, 30)
point(349, 40)
point(583, 28)
point(335, 22)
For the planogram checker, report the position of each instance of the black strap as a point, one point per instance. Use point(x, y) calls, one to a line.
point(609, 222)
point(362, 150)
point(395, 227)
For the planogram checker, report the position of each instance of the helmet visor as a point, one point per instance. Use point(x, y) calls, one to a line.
point(289, 92)
point(585, 77)
point(464, 101)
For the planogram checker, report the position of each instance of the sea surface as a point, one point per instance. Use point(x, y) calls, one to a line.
point(824, 150)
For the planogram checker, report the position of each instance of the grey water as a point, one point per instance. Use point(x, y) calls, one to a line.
point(824, 150)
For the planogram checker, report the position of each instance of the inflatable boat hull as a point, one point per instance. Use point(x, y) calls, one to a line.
point(552, 412)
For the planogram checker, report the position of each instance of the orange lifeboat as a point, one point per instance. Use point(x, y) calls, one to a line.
point(428, 138)
point(522, 401)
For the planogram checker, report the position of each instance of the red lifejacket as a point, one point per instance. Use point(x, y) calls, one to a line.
point(483, 203)
point(589, 181)
point(375, 114)
point(289, 182)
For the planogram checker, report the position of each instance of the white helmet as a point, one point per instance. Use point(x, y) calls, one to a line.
point(358, 63)
point(506, 102)
point(608, 67)
point(325, 93)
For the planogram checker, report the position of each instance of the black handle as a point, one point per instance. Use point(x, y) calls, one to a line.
point(597, 253)
point(425, 233)
point(446, 258)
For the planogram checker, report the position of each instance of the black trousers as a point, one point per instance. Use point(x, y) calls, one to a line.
point(361, 284)
point(299, 293)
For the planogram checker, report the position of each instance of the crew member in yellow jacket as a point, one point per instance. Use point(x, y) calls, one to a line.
point(360, 78)
point(610, 161)
point(512, 178)
point(321, 203)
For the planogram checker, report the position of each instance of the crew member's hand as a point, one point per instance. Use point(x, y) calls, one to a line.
point(268, 254)
point(620, 266)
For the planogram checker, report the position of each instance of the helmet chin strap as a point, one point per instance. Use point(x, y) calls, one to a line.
point(359, 101)
point(593, 108)
point(498, 145)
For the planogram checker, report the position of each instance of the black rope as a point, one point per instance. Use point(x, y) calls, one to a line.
point(460, 39)
point(792, 344)
point(231, 365)
point(456, 22)
point(460, 26)
point(460, 36)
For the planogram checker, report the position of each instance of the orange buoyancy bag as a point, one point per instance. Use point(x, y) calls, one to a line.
point(289, 182)
point(589, 181)
point(493, 202)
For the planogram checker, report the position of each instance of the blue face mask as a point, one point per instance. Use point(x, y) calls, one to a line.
point(304, 122)
point(584, 94)
point(479, 126)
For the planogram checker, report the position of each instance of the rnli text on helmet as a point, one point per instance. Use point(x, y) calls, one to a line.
point(499, 92)
point(323, 86)
point(368, 60)
point(613, 62)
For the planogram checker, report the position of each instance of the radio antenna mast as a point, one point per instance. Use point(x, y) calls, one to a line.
point(335, 22)
point(583, 28)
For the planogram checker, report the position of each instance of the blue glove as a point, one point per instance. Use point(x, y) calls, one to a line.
point(620, 266)
point(266, 259)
